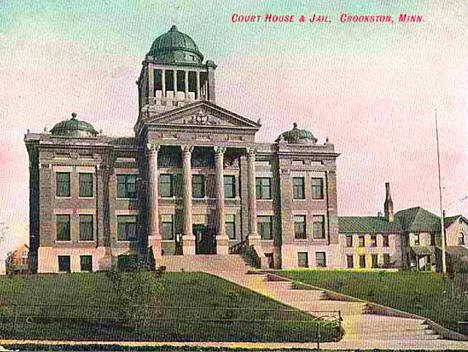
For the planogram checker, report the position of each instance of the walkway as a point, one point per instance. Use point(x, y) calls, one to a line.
point(362, 330)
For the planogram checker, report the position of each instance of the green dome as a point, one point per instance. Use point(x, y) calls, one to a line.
point(297, 136)
point(74, 128)
point(175, 47)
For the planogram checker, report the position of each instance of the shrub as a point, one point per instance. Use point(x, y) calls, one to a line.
point(252, 257)
point(139, 295)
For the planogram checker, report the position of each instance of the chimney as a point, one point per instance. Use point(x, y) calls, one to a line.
point(388, 205)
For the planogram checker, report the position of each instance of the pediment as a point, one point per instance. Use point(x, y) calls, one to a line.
point(202, 114)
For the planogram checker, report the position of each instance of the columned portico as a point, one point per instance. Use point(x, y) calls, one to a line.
point(222, 240)
point(253, 238)
point(154, 237)
point(188, 239)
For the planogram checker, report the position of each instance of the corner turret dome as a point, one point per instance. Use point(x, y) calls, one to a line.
point(297, 136)
point(175, 47)
point(74, 128)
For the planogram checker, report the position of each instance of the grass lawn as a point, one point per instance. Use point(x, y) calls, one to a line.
point(423, 293)
point(85, 306)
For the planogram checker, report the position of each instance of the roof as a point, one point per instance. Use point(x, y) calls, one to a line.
point(73, 128)
point(457, 251)
point(418, 219)
point(367, 224)
point(421, 250)
point(451, 219)
point(297, 135)
point(171, 41)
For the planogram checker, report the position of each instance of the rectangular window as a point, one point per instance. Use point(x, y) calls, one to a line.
point(317, 188)
point(198, 186)
point(126, 186)
point(167, 227)
point(321, 259)
point(298, 188)
point(373, 241)
point(265, 228)
point(64, 263)
point(126, 228)
point(432, 239)
point(385, 241)
point(349, 261)
point(319, 226)
point(62, 184)
point(386, 260)
point(230, 226)
point(86, 228)
point(86, 263)
point(375, 260)
point(86, 185)
point(416, 239)
point(300, 227)
point(302, 259)
point(229, 186)
point(362, 241)
point(263, 187)
point(63, 228)
point(166, 187)
point(349, 241)
point(362, 261)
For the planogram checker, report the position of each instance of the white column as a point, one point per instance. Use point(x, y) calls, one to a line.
point(188, 239)
point(154, 237)
point(150, 84)
point(222, 240)
point(253, 233)
point(163, 83)
point(198, 85)
point(175, 87)
point(186, 85)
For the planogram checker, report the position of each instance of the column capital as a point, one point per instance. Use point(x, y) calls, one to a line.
point(251, 150)
point(187, 148)
point(152, 148)
point(219, 150)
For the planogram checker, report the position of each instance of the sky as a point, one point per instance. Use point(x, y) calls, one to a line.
point(371, 88)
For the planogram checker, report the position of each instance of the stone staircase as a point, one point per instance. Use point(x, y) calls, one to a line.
point(358, 324)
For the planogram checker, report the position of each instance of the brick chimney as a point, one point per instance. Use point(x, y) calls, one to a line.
point(388, 205)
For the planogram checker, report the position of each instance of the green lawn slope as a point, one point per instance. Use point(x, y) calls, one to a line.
point(191, 307)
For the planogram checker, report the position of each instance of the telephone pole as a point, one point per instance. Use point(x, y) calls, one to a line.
point(442, 225)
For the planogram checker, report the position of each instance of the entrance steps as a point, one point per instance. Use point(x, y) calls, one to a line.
point(358, 324)
point(204, 263)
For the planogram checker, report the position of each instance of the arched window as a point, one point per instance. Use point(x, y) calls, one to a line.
point(461, 239)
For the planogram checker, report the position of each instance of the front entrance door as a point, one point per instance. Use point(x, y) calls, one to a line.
point(205, 241)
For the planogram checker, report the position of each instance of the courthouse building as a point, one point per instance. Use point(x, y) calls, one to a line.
point(193, 180)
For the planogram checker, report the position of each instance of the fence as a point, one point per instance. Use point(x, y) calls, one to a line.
point(161, 323)
point(463, 322)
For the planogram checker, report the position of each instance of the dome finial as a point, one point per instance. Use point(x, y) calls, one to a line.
point(294, 125)
point(73, 115)
point(173, 28)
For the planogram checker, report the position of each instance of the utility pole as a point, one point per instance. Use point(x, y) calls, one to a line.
point(442, 226)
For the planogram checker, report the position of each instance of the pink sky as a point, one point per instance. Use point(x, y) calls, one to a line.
point(372, 90)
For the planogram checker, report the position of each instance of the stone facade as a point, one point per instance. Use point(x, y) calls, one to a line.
point(193, 180)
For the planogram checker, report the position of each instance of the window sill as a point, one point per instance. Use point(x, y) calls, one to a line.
point(126, 198)
point(86, 241)
point(301, 239)
point(63, 241)
point(266, 240)
point(127, 241)
point(63, 197)
point(91, 197)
